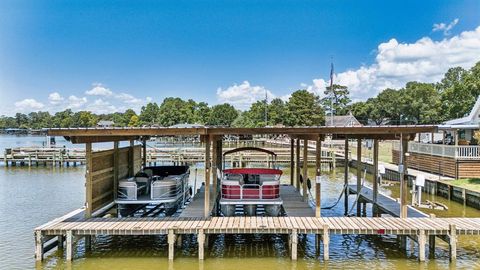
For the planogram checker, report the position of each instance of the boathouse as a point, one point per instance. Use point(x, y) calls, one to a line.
point(104, 169)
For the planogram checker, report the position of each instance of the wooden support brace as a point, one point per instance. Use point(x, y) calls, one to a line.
point(171, 244)
point(421, 245)
point(69, 245)
point(88, 242)
point(453, 242)
point(201, 244)
point(294, 240)
point(326, 242)
point(179, 241)
point(305, 170)
point(38, 246)
point(431, 245)
point(60, 238)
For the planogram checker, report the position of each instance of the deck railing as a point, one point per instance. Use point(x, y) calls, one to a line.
point(470, 152)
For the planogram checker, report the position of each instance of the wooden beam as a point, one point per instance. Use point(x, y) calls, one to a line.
point(297, 163)
point(214, 165)
point(131, 159)
point(305, 170)
point(158, 131)
point(403, 179)
point(88, 180)
point(318, 173)
point(292, 161)
point(116, 161)
point(375, 169)
point(453, 242)
point(345, 176)
point(207, 179)
point(359, 172)
point(144, 152)
point(98, 139)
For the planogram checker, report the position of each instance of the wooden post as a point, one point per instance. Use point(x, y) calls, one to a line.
point(88, 242)
point(297, 164)
point(318, 172)
point(214, 165)
point(431, 245)
point(421, 245)
point(359, 173)
point(60, 240)
point(294, 241)
point(453, 242)
point(305, 169)
point(88, 180)
point(171, 244)
point(292, 162)
point(207, 178)
point(201, 244)
point(69, 244)
point(345, 177)
point(403, 179)
point(326, 242)
point(38, 246)
point(144, 152)
point(116, 162)
point(375, 170)
point(131, 159)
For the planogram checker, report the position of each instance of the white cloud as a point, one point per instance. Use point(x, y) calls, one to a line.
point(55, 98)
point(243, 95)
point(129, 99)
point(28, 105)
point(100, 106)
point(75, 103)
point(397, 63)
point(98, 90)
point(445, 28)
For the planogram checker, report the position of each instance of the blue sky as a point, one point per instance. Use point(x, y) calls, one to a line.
point(110, 55)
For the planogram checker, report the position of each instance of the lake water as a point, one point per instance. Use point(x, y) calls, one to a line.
point(32, 196)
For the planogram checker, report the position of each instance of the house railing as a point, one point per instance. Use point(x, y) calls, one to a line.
point(470, 152)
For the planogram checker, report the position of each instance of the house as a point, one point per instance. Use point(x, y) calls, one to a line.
point(454, 152)
point(105, 124)
point(342, 121)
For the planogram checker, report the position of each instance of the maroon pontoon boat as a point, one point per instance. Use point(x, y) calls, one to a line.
point(249, 188)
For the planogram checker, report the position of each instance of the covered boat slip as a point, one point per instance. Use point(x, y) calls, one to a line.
point(104, 169)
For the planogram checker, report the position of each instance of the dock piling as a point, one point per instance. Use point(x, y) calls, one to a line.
point(69, 244)
point(294, 243)
point(171, 244)
point(201, 244)
point(38, 246)
point(453, 242)
point(326, 242)
point(421, 245)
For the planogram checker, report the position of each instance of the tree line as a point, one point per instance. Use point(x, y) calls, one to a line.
point(416, 103)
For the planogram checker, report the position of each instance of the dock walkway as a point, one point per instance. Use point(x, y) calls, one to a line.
point(448, 228)
point(385, 203)
point(293, 203)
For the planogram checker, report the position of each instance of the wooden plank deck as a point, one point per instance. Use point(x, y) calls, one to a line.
point(293, 203)
point(386, 203)
point(267, 225)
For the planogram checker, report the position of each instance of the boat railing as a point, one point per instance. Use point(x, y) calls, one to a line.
point(250, 191)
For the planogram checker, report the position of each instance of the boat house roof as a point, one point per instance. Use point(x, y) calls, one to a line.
point(84, 135)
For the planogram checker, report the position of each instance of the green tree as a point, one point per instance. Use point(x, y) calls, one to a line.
point(338, 96)
point(276, 112)
point(222, 115)
point(133, 121)
point(304, 109)
point(420, 103)
point(149, 114)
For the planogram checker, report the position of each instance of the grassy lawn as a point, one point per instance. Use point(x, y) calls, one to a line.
point(384, 152)
point(468, 183)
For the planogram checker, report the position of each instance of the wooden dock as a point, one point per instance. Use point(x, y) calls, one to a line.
point(384, 203)
point(34, 156)
point(70, 228)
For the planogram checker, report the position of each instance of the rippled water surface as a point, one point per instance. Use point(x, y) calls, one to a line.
point(31, 197)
